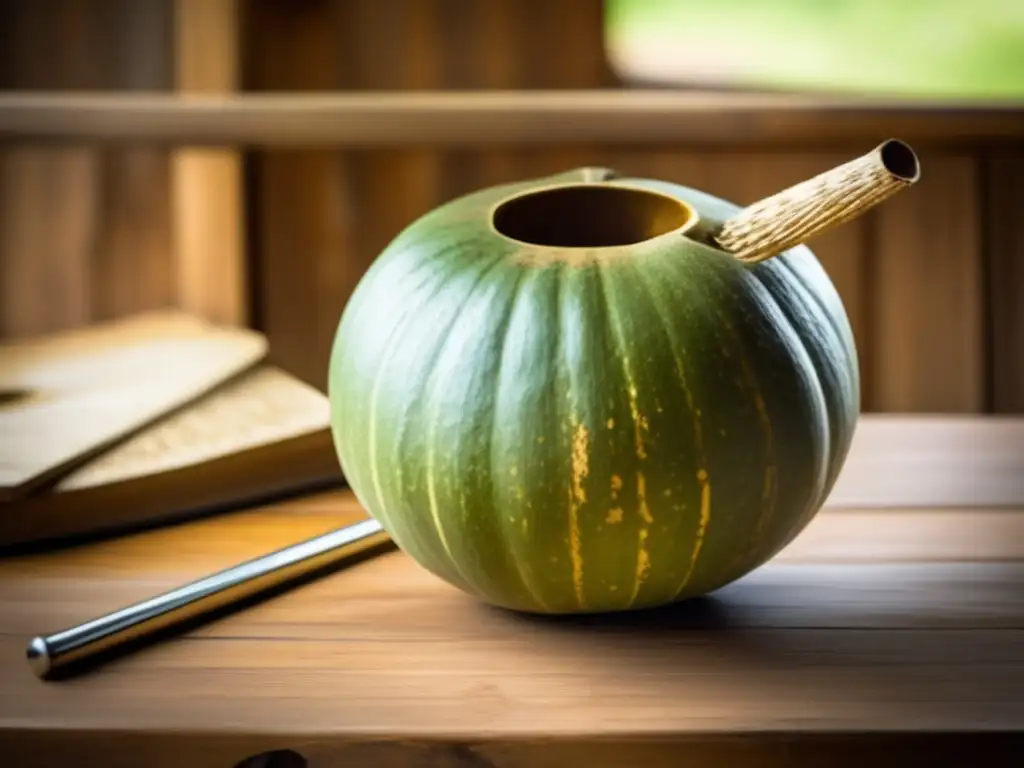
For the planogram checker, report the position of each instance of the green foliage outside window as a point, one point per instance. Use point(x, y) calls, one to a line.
point(909, 48)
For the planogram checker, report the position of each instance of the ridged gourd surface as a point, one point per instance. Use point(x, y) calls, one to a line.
point(585, 431)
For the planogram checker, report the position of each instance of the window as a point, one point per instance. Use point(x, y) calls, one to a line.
point(904, 48)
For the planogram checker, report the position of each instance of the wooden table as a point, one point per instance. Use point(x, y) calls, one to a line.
point(893, 636)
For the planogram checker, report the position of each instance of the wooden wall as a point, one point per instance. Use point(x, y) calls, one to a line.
point(84, 232)
point(930, 279)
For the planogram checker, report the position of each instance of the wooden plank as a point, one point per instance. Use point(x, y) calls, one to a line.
point(300, 201)
point(85, 230)
point(209, 237)
point(46, 283)
point(441, 663)
point(927, 294)
point(925, 534)
point(482, 45)
point(132, 266)
point(389, 46)
point(575, 27)
point(483, 118)
point(782, 595)
point(924, 461)
point(132, 262)
point(385, 663)
point(497, 46)
point(1004, 246)
point(47, 198)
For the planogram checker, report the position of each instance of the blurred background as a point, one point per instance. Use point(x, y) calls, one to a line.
point(911, 48)
point(277, 238)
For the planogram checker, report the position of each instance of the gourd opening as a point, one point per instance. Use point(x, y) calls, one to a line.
point(589, 216)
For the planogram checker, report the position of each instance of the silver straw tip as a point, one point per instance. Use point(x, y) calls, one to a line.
point(38, 655)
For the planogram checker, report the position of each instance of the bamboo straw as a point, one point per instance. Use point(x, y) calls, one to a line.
point(807, 209)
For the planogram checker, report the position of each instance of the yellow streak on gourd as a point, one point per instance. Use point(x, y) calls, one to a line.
point(701, 461)
point(577, 496)
point(614, 516)
point(640, 425)
point(641, 497)
point(639, 420)
point(616, 485)
point(643, 559)
point(702, 525)
point(643, 564)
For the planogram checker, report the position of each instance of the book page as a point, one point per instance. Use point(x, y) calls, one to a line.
point(72, 393)
point(264, 406)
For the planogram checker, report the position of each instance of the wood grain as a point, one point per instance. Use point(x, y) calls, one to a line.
point(46, 269)
point(389, 47)
point(47, 198)
point(85, 230)
point(1003, 174)
point(927, 293)
point(920, 461)
point(132, 268)
point(299, 199)
point(804, 662)
point(207, 195)
point(507, 117)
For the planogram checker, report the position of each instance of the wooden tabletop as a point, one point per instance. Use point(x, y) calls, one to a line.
point(880, 634)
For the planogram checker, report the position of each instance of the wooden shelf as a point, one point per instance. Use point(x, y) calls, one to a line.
point(490, 118)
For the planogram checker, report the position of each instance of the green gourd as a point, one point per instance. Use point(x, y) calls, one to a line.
point(592, 392)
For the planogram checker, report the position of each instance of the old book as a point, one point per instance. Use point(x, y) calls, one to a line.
point(67, 396)
point(255, 437)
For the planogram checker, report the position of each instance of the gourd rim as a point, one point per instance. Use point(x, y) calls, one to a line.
point(692, 218)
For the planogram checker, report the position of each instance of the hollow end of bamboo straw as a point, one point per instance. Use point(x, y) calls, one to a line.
point(805, 210)
point(900, 160)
